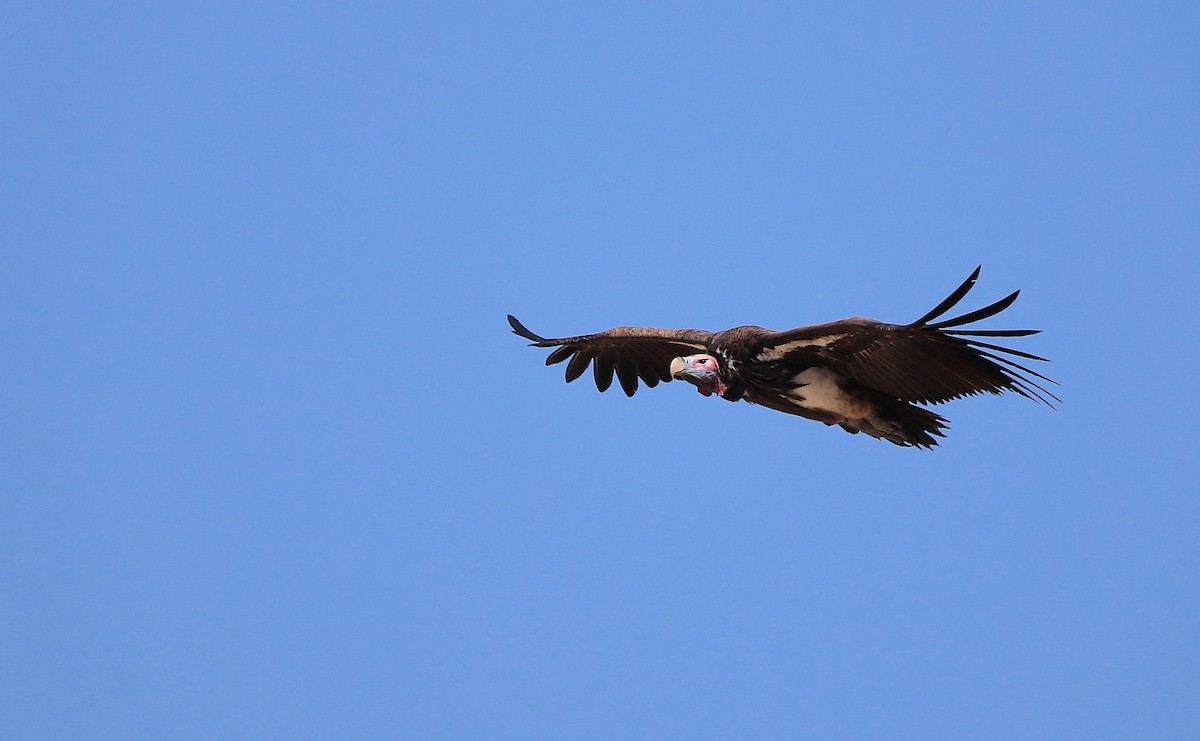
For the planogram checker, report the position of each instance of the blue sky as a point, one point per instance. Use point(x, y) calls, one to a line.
point(274, 466)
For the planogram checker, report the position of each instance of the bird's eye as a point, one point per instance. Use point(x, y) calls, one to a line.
point(702, 361)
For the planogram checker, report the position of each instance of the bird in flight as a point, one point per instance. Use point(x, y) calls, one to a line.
point(863, 375)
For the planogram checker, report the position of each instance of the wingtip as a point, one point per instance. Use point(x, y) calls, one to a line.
point(950, 301)
point(973, 278)
point(522, 331)
point(979, 314)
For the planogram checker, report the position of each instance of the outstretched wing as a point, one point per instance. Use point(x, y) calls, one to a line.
point(632, 352)
point(925, 362)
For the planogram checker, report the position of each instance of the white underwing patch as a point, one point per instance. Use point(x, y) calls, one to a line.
point(777, 352)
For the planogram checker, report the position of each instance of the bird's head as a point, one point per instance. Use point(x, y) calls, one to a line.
point(702, 371)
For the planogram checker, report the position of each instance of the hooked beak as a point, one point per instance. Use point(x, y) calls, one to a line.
point(677, 367)
point(706, 381)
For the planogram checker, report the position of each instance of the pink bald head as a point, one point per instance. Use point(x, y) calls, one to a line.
point(702, 371)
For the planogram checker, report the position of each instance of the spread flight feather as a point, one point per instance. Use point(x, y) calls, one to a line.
point(864, 375)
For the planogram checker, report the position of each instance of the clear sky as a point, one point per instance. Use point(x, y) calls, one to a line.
point(274, 467)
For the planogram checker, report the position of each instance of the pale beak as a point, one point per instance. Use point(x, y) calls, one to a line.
point(677, 366)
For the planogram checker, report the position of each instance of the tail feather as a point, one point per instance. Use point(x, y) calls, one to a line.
point(902, 424)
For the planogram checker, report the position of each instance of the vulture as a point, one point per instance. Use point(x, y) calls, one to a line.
point(861, 374)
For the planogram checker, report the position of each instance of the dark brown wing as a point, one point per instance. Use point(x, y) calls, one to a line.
point(921, 362)
point(630, 352)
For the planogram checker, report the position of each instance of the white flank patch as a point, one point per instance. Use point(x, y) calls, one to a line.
point(777, 352)
point(821, 391)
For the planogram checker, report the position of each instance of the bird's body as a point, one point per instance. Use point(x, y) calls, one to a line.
point(864, 375)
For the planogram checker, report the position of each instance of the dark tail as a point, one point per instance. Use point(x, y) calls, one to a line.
point(901, 423)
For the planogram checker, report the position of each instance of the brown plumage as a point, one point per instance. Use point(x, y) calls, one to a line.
point(864, 375)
